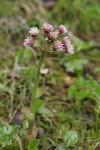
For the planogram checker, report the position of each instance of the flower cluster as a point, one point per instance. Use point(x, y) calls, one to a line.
point(57, 40)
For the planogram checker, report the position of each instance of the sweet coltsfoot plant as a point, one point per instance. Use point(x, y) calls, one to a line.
point(50, 41)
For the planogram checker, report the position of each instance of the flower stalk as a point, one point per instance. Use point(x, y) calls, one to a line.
point(36, 82)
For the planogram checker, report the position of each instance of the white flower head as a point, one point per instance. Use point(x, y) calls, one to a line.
point(44, 71)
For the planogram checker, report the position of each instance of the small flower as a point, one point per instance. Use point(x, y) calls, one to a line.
point(28, 42)
point(62, 29)
point(70, 49)
point(66, 41)
point(34, 31)
point(52, 36)
point(58, 46)
point(44, 71)
point(47, 28)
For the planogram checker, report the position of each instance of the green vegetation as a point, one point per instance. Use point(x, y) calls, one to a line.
point(68, 112)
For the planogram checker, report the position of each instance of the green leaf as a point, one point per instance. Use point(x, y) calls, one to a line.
point(33, 144)
point(79, 91)
point(16, 128)
point(45, 111)
point(7, 130)
point(94, 86)
point(71, 138)
point(76, 64)
point(28, 115)
point(37, 105)
point(40, 92)
point(62, 147)
point(7, 134)
point(25, 124)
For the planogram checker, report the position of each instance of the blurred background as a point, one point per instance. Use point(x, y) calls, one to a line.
point(82, 18)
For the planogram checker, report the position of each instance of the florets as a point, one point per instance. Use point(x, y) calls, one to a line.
point(70, 49)
point(58, 46)
point(66, 41)
point(28, 42)
point(34, 31)
point(50, 39)
point(47, 28)
point(44, 71)
point(52, 36)
point(62, 30)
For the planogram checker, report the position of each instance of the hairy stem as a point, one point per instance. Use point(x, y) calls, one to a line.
point(36, 82)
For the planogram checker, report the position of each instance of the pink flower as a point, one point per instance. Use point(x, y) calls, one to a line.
point(66, 41)
point(28, 42)
point(52, 36)
point(70, 49)
point(44, 71)
point(47, 28)
point(34, 31)
point(58, 46)
point(62, 29)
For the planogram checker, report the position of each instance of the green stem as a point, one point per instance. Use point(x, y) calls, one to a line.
point(36, 82)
